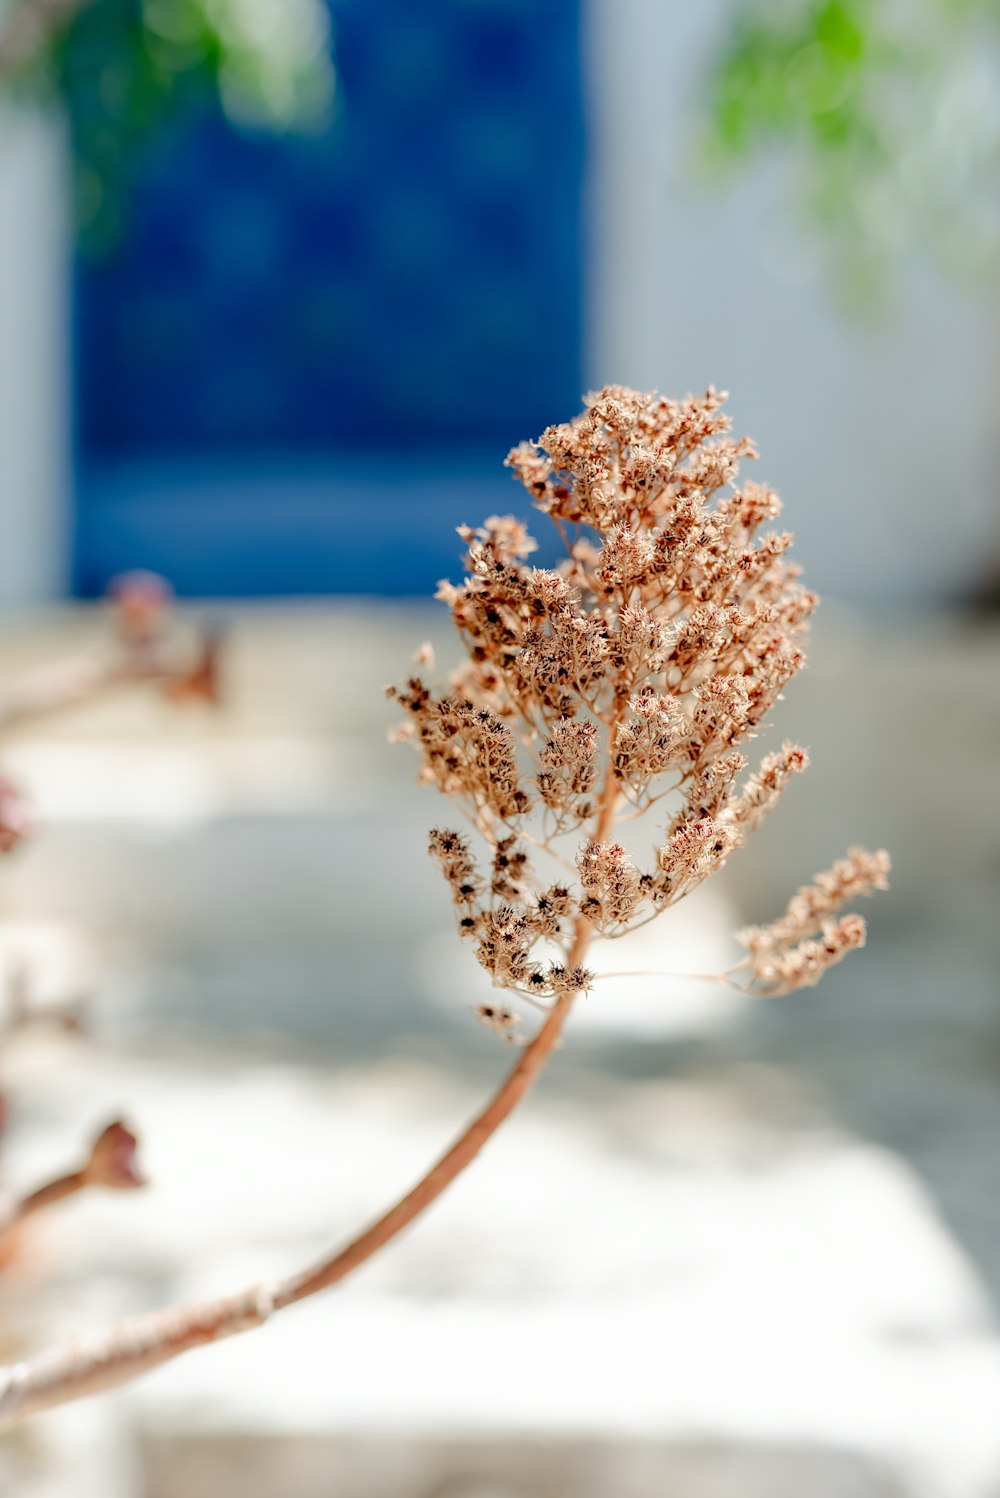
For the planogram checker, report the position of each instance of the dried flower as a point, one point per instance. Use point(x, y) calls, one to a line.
point(783, 969)
point(783, 957)
point(630, 673)
point(498, 1018)
point(610, 883)
point(763, 790)
point(142, 603)
point(569, 768)
point(452, 852)
point(112, 1161)
point(16, 821)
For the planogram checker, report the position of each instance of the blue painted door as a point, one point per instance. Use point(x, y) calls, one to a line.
point(305, 358)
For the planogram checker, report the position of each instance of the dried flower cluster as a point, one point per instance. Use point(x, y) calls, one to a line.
point(795, 950)
point(624, 678)
point(15, 816)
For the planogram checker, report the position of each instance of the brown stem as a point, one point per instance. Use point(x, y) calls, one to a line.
point(72, 685)
point(75, 683)
point(45, 1196)
point(145, 1342)
point(110, 1163)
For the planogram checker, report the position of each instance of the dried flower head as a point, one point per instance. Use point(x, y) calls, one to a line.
point(787, 954)
point(202, 680)
point(16, 821)
point(628, 676)
point(498, 1018)
point(142, 603)
point(112, 1161)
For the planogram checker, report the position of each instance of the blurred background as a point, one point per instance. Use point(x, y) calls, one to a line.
point(281, 282)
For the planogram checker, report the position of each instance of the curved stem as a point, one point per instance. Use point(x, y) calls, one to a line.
point(78, 682)
point(666, 973)
point(145, 1342)
point(45, 1196)
point(70, 685)
point(451, 1164)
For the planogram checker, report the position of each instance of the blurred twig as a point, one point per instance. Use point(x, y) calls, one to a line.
point(142, 606)
point(75, 683)
point(72, 684)
point(110, 1163)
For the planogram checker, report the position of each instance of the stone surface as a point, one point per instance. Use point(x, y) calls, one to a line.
point(773, 1230)
point(318, 1467)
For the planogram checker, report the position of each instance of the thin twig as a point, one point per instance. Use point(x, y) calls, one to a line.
point(110, 1163)
point(45, 1196)
point(77, 682)
point(665, 973)
point(73, 684)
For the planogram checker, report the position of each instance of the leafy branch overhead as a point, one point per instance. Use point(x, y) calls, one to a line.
point(884, 113)
point(123, 66)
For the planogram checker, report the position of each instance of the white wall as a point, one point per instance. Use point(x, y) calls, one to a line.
point(34, 357)
point(880, 437)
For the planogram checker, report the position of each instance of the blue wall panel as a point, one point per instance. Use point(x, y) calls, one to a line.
point(398, 295)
